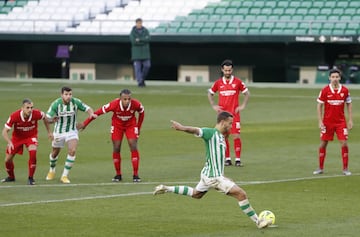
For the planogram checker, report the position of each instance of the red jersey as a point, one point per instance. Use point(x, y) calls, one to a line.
point(334, 102)
point(229, 91)
point(123, 117)
point(24, 128)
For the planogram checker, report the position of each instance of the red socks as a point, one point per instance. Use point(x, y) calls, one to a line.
point(32, 163)
point(117, 162)
point(135, 162)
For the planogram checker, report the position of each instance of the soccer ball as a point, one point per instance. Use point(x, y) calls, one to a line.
point(267, 215)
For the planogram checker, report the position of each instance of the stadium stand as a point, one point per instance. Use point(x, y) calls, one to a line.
point(214, 17)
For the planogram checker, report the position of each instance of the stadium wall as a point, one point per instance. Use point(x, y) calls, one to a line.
point(270, 59)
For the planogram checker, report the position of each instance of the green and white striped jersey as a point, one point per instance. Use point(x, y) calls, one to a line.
point(215, 152)
point(66, 113)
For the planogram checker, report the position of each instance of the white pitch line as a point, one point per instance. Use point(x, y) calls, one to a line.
point(139, 193)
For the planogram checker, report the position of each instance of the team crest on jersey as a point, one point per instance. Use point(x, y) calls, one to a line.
point(342, 94)
point(233, 85)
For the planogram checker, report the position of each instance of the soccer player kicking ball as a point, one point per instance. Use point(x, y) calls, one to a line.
point(330, 110)
point(212, 175)
point(25, 132)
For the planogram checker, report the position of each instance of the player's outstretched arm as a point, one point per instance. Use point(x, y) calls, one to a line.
point(189, 129)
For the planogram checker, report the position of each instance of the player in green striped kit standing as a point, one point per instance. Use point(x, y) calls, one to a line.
point(63, 112)
point(212, 175)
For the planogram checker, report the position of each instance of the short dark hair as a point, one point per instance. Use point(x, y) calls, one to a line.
point(26, 101)
point(227, 62)
point(125, 91)
point(65, 88)
point(334, 70)
point(223, 116)
point(138, 20)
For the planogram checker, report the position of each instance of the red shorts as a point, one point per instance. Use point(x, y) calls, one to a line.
point(236, 125)
point(327, 133)
point(19, 144)
point(131, 132)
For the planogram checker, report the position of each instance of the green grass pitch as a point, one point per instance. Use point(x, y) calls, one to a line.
point(280, 142)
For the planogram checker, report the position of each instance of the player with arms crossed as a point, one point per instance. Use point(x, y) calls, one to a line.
point(331, 117)
point(212, 175)
point(63, 111)
point(229, 88)
point(123, 121)
point(25, 132)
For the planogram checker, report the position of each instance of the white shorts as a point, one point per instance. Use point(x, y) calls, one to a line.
point(60, 139)
point(220, 183)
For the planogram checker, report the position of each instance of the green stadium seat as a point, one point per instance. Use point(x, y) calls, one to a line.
point(339, 32)
point(5, 10)
point(186, 24)
point(354, 4)
point(302, 11)
point(218, 31)
point(256, 25)
point(255, 11)
point(306, 4)
point(233, 24)
point(230, 31)
point(243, 11)
point(326, 11)
point(203, 17)
point(294, 4)
point(330, 4)
point(231, 10)
point(353, 26)
point(333, 18)
point(325, 31)
point(250, 17)
point(236, 4)
point(277, 31)
point(283, 4)
point(290, 11)
point(273, 18)
point(198, 24)
point(268, 25)
point(215, 17)
point(301, 31)
point(175, 24)
point(280, 25)
point(258, 3)
point(342, 4)
point(220, 10)
point(345, 18)
point(318, 4)
point(261, 17)
point(338, 11)
point(350, 32)
point(192, 17)
point(253, 31)
point(304, 25)
point(278, 11)
point(20, 3)
point(309, 17)
point(221, 24)
point(297, 17)
point(340, 25)
point(314, 11)
point(355, 18)
point(288, 31)
point(322, 17)
point(244, 25)
point(266, 11)
point(206, 30)
point(227, 17)
point(271, 4)
point(350, 11)
point(247, 4)
point(292, 25)
point(265, 31)
point(285, 17)
point(209, 24)
point(208, 10)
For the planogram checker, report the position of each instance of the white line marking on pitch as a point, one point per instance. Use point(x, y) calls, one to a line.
point(136, 193)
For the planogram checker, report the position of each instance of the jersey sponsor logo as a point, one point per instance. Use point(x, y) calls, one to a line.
point(124, 118)
point(26, 129)
point(228, 92)
point(66, 113)
point(335, 102)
